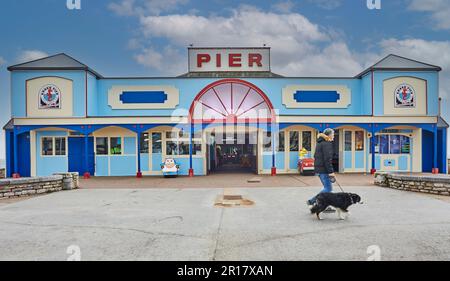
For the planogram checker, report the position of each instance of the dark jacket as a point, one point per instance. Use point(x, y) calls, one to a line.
point(323, 156)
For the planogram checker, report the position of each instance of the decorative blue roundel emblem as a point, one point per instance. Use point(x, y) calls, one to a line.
point(405, 96)
point(49, 97)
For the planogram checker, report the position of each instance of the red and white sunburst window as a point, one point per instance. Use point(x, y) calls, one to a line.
point(231, 100)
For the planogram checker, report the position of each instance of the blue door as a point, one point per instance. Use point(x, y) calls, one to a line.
point(427, 151)
point(77, 153)
point(23, 141)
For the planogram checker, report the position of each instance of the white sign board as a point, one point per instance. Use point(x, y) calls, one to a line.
point(229, 59)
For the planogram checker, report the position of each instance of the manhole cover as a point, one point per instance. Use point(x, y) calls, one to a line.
point(232, 200)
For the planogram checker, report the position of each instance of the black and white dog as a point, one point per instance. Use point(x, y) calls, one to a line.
point(341, 201)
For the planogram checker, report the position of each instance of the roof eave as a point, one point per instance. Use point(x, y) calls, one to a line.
point(437, 69)
point(18, 68)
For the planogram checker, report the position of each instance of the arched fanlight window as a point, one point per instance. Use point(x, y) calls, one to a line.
point(233, 100)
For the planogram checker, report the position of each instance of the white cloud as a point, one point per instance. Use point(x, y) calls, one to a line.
point(167, 61)
point(2, 61)
point(30, 55)
point(144, 7)
point(296, 42)
point(439, 9)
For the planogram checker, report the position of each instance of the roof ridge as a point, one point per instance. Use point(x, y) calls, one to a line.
point(377, 67)
point(36, 60)
point(69, 62)
point(405, 58)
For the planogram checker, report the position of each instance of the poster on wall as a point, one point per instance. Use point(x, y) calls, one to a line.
point(49, 97)
point(405, 96)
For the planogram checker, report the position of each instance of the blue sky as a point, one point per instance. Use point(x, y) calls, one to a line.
point(149, 37)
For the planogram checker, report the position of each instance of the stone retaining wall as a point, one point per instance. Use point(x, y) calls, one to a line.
point(10, 188)
point(432, 184)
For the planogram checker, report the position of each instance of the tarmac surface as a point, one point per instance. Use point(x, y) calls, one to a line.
point(184, 224)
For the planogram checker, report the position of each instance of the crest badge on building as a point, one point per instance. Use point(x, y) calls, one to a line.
point(49, 97)
point(405, 96)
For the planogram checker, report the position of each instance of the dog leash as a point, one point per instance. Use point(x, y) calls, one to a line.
point(334, 180)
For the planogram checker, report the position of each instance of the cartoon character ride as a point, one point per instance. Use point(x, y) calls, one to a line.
point(305, 162)
point(170, 168)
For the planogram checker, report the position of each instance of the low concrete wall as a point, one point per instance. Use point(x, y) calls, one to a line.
point(432, 184)
point(10, 188)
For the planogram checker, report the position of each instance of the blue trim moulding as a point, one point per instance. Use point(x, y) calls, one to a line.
point(316, 96)
point(143, 97)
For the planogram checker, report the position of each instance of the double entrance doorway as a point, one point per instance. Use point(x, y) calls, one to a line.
point(232, 150)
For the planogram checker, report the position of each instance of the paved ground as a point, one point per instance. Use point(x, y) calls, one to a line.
point(221, 180)
point(183, 224)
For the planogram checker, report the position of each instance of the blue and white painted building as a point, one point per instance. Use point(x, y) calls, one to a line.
point(67, 117)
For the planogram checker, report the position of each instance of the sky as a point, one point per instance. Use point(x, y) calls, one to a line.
point(150, 37)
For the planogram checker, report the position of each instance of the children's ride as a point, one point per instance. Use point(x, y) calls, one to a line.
point(170, 168)
point(305, 162)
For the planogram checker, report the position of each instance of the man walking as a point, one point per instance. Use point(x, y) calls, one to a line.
point(323, 165)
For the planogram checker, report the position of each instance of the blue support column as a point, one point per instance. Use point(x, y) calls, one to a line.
point(435, 169)
point(372, 144)
point(16, 156)
point(138, 139)
point(9, 160)
point(191, 131)
point(87, 174)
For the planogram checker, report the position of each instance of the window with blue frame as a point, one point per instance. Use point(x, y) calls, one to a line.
point(392, 144)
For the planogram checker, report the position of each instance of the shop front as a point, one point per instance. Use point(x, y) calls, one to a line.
point(221, 118)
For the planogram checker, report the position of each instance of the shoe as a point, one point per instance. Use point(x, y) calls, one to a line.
point(329, 210)
point(309, 204)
